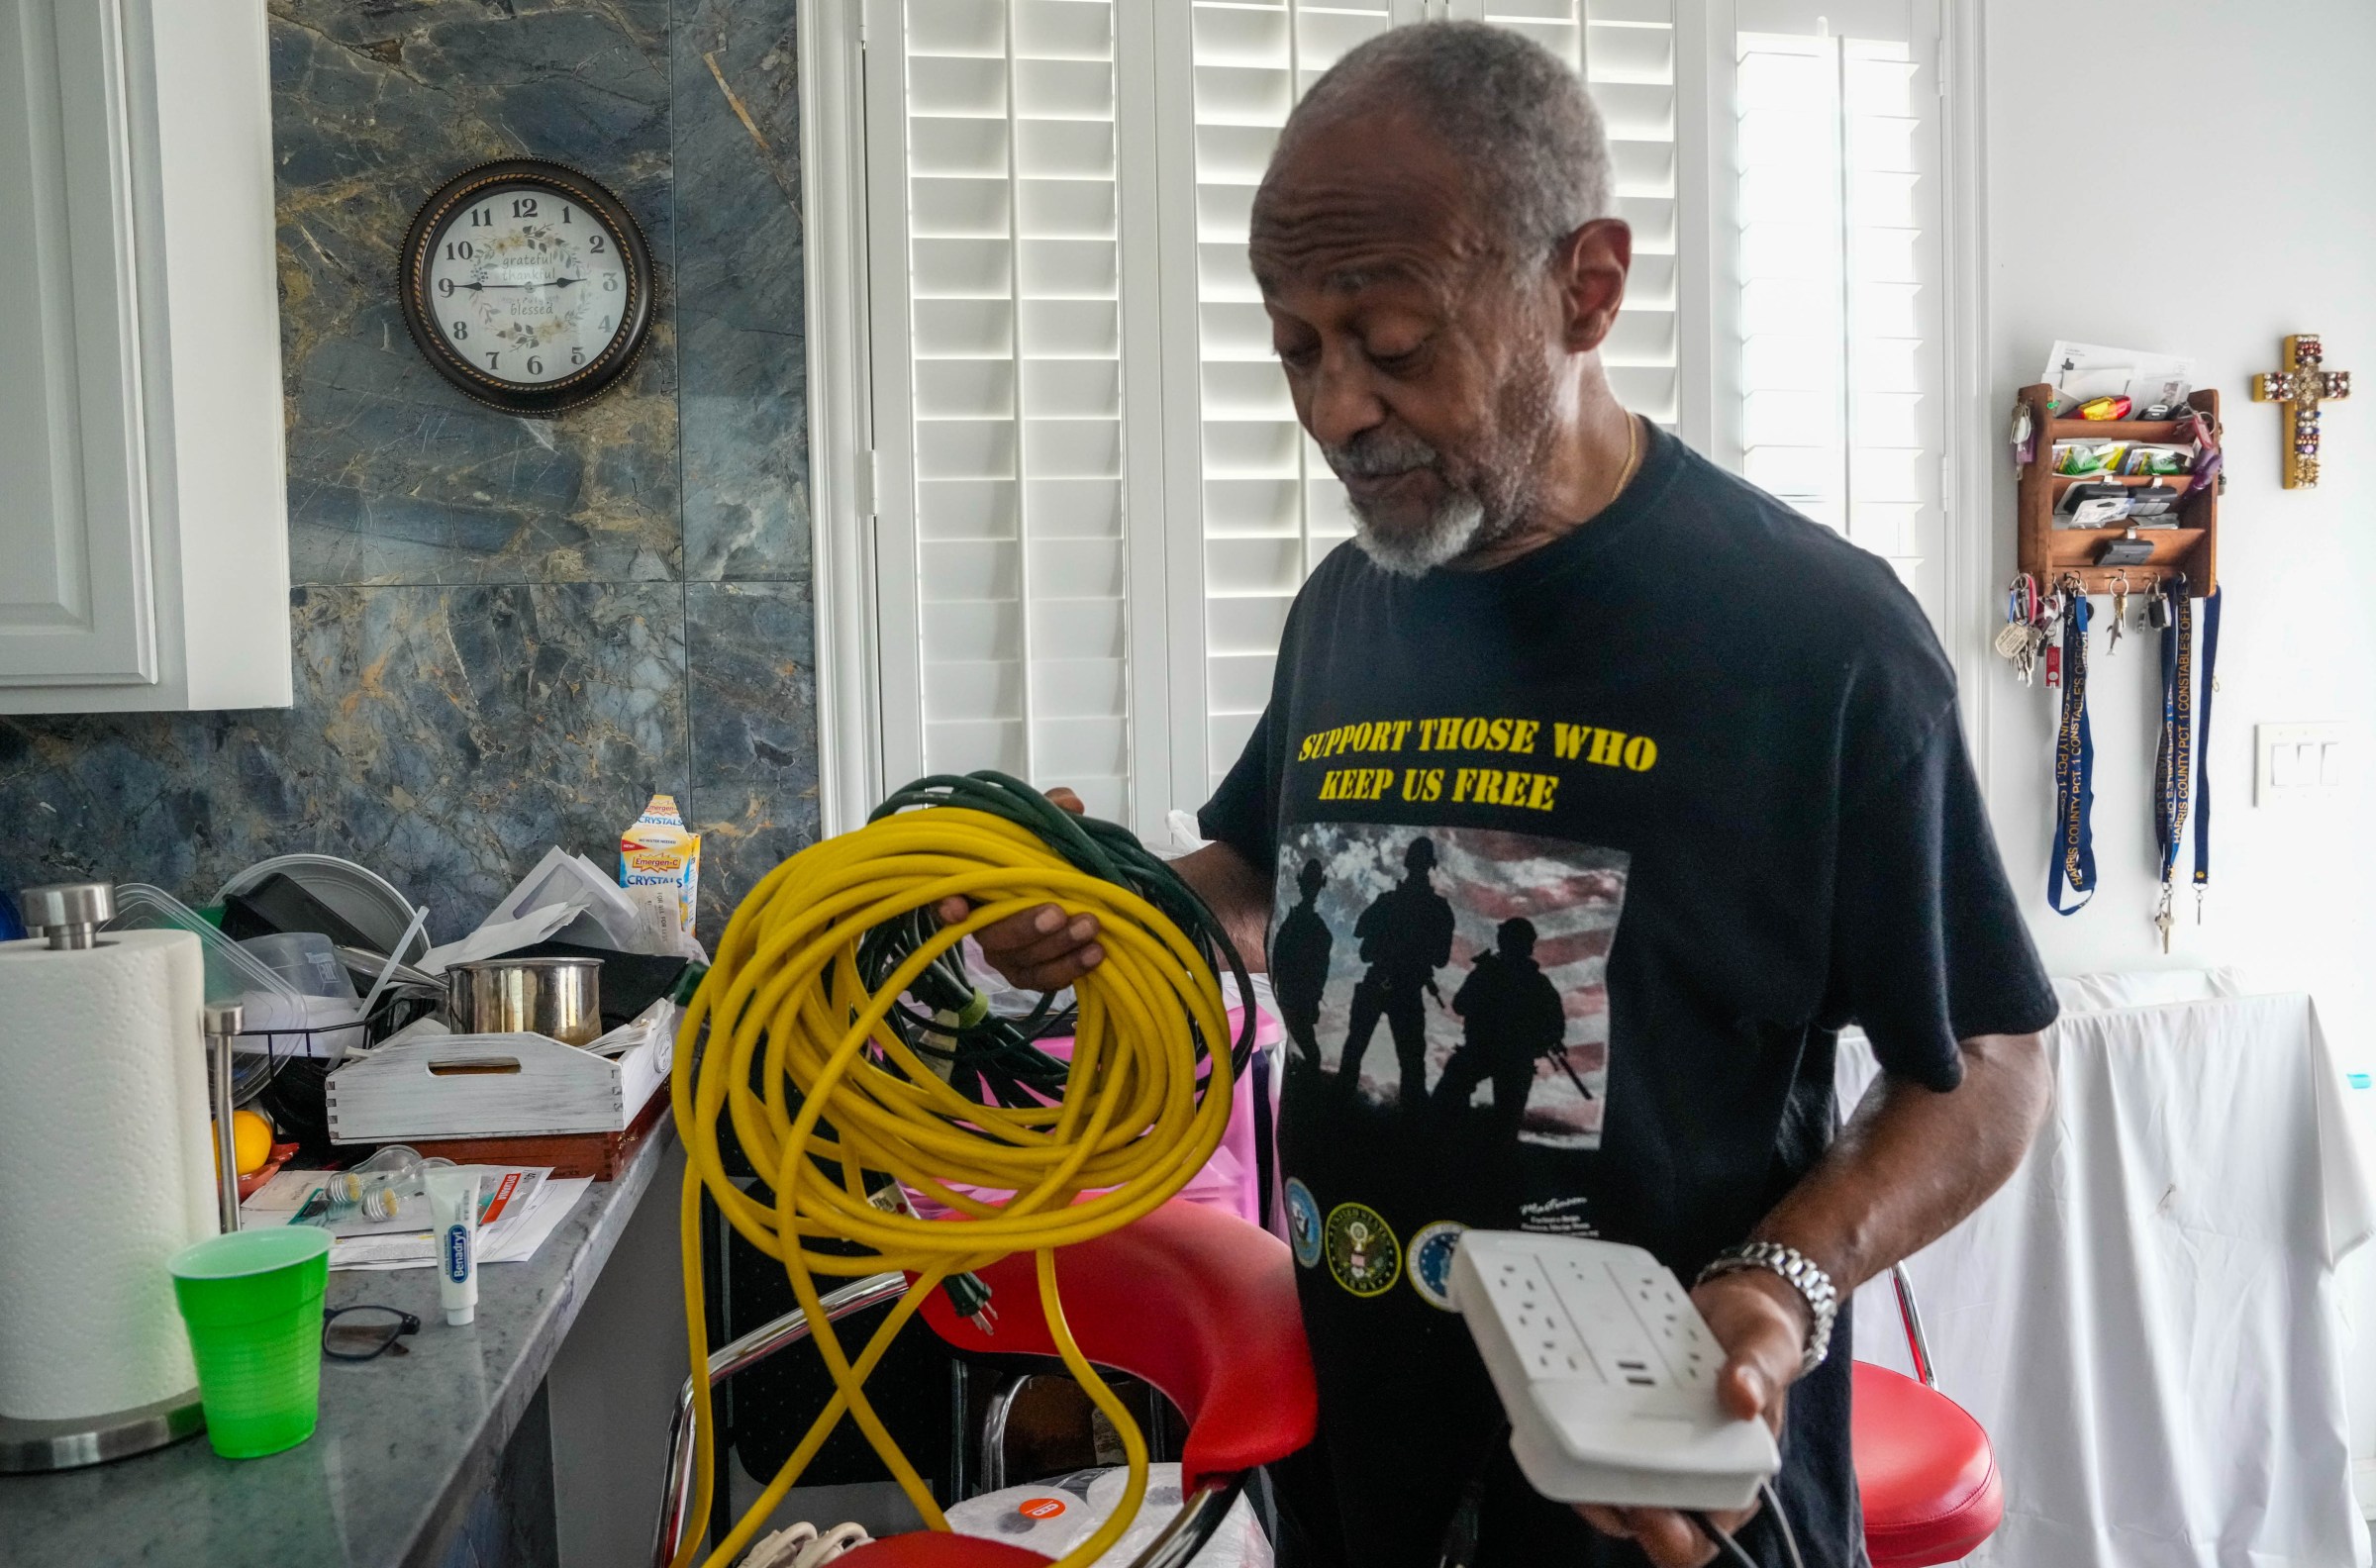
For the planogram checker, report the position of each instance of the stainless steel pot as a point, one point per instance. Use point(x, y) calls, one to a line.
point(559, 997)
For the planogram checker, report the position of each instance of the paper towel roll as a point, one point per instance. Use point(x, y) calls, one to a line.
point(106, 1170)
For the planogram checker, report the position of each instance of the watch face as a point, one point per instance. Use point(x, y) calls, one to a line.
point(527, 285)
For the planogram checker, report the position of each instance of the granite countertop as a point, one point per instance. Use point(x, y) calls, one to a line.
point(405, 1445)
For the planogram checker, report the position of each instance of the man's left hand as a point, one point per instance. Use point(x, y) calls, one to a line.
point(1762, 1325)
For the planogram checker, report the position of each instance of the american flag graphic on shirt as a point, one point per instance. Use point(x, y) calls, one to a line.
point(1478, 959)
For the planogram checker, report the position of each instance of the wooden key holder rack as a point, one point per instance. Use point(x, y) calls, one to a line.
point(2049, 553)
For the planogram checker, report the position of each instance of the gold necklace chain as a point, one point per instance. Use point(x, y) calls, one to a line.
point(1632, 450)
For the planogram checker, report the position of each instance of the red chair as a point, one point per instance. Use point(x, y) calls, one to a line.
point(1925, 1471)
point(1202, 1306)
point(1194, 1302)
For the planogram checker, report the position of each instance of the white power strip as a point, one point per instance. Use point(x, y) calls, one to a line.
point(1606, 1372)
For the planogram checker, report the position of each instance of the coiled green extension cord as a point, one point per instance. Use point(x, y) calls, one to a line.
point(997, 1061)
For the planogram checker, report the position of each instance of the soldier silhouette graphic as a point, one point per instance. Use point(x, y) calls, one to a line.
point(1513, 1018)
point(1405, 936)
point(1299, 964)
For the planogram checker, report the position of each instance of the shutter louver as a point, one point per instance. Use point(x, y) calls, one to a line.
point(1626, 50)
point(1015, 281)
point(1097, 505)
point(1838, 342)
point(1270, 508)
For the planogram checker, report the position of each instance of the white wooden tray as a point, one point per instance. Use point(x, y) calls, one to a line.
point(444, 1086)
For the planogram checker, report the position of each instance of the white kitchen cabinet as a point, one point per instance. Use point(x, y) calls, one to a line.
point(144, 539)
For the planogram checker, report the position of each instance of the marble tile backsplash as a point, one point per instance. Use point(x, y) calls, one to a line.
point(506, 633)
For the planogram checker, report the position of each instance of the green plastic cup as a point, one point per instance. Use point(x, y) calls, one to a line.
point(252, 1304)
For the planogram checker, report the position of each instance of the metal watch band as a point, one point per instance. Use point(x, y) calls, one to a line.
point(1799, 1272)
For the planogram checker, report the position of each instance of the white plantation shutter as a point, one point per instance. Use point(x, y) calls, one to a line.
point(1266, 504)
point(1093, 504)
point(1836, 259)
point(1263, 505)
point(1000, 432)
point(1625, 50)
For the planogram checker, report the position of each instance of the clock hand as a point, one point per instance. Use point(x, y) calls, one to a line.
point(548, 283)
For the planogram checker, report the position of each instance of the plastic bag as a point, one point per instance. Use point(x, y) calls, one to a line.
point(1055, 1516)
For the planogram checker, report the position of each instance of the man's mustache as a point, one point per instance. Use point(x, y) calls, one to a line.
point(1380, 455)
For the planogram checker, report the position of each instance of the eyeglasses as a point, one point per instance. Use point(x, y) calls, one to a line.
point(358, 1333)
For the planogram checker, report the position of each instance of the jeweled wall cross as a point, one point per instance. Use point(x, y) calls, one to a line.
point(2298, 389)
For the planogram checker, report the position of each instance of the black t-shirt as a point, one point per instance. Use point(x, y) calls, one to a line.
point(1580, 863)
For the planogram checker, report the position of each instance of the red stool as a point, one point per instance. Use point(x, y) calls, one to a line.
point(1195, 1302)
point(1925, 1471)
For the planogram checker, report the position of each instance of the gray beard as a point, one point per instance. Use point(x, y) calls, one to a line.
point(1465, 519)
point(1452, 531)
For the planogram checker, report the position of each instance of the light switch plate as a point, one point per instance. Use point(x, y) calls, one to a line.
point(2299, 762)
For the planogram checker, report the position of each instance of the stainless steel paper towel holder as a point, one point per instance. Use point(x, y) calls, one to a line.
point(69, 915)
point(28, 1447)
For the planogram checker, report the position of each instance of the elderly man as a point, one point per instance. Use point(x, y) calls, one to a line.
point(1705, 749)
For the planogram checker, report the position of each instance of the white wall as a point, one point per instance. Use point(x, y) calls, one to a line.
point(2254, 217)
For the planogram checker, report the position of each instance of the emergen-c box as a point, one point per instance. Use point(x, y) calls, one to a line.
point(659, 865)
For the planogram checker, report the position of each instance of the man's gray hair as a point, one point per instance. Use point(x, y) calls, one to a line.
point(1509, 109)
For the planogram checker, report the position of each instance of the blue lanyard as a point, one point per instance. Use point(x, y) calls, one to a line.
point(2211, 661)
point(2173, 760)
point(2074, 773)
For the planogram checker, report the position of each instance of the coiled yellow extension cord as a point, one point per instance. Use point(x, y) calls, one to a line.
point(841, 1095)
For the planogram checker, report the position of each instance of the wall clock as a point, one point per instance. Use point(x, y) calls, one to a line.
point(526, 284)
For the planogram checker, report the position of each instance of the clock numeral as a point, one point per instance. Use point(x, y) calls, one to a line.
point(462, 331)
point(457, 250)
point(523, 207)
point(577, 356)
point(535, 366)
point(595, 245)
point(445, 287)
point(491, 359)
point(605, 325)
point(610, 282)
point(482, 217)
point(565, 212)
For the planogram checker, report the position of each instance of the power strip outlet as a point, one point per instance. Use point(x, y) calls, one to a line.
point(1606, 1372)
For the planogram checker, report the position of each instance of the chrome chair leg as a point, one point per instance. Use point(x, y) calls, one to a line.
point(1201, 1514)
point(1917, 1343)
point(994, 1432)
point(748, 1351)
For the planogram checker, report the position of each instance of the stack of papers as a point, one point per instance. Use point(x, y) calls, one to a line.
point(566, 897)
point(518, 1207)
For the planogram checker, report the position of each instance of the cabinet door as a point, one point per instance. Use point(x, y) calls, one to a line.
point(75, 593)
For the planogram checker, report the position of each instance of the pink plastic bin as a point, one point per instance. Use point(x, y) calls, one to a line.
point(1231, 1180)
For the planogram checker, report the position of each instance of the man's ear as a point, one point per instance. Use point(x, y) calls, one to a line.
point(1589, 270)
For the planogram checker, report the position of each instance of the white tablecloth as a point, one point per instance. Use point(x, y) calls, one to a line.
point(2145, 1318)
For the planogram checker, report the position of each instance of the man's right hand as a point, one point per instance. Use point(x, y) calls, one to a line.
point(1038, 949)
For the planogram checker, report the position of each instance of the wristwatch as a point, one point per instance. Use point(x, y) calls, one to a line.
point(1799, 1272)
